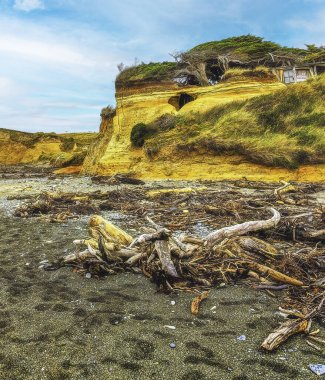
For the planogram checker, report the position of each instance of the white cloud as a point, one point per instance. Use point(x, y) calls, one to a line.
point(28, 5)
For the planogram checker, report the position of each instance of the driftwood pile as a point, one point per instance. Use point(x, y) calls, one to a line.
point(282, 251)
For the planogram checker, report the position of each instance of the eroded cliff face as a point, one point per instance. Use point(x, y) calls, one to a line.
point(40, 148)
point(112, 152)
point(14, 151)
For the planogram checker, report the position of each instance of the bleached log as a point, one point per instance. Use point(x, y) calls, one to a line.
point(99, 226)
point(135, 258)
point(286, 329)
point(163, 251)
point(242, 229)
point(78, 256)
point(159, 235)
point(285, 188)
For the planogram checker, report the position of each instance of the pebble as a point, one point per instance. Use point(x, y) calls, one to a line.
point(241, 337)
point(170, 327)
point(319, 369)
point(88, 275)
point(172, 345)
point(172, 303)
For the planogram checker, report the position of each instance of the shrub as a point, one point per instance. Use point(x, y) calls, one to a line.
point(139, 134)
point(108, 112)
point(67, 144)
point(76, 159)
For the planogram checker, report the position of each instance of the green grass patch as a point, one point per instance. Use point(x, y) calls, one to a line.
point(152, 71)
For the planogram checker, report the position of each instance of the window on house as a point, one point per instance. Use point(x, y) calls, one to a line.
point(288, 76)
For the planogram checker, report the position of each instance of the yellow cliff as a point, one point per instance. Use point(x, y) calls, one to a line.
point(113, 153)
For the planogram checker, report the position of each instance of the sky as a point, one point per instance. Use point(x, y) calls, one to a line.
point(58, 58)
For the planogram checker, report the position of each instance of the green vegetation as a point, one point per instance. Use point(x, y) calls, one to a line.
point(67, 144)
point(246, 47)
point(285, 128)
point(151, 71)
point(249, 47)
point(141, 132)
point(108, 112)
point(207, 63)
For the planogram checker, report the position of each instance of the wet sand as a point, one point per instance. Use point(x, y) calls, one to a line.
point(60, 325)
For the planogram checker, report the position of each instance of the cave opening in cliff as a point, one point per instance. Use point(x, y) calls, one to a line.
point(214, 73)
point(179, 101)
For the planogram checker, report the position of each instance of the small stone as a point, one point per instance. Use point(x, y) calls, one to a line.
point(222, 285)
point(241, 337)
point(173, 303)
point(170, 327)
point(172, 345)
point(319, 369)
point(88, 275)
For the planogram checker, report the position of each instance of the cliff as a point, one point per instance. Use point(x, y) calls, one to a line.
point(113, 152)
point(200, 119)
point(43, 148)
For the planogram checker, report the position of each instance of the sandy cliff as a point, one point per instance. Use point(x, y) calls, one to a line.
point(113, 152)
point(43, 148)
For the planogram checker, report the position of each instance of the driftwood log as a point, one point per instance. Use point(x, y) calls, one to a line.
point(242, 229)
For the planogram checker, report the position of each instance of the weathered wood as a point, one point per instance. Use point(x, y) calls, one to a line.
point(285, 188)
point(286, 329)
point(163, 251)
point(274, 274)
point(258, 246)
point(195, 304)
point(243, 228)
point(162, 234)
point(99, 226)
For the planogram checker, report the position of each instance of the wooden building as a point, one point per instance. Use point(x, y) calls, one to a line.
point(296, 74)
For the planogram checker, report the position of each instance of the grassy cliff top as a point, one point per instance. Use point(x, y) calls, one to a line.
point(148, 72)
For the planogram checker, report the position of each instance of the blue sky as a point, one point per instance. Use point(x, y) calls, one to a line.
point(58, 58)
